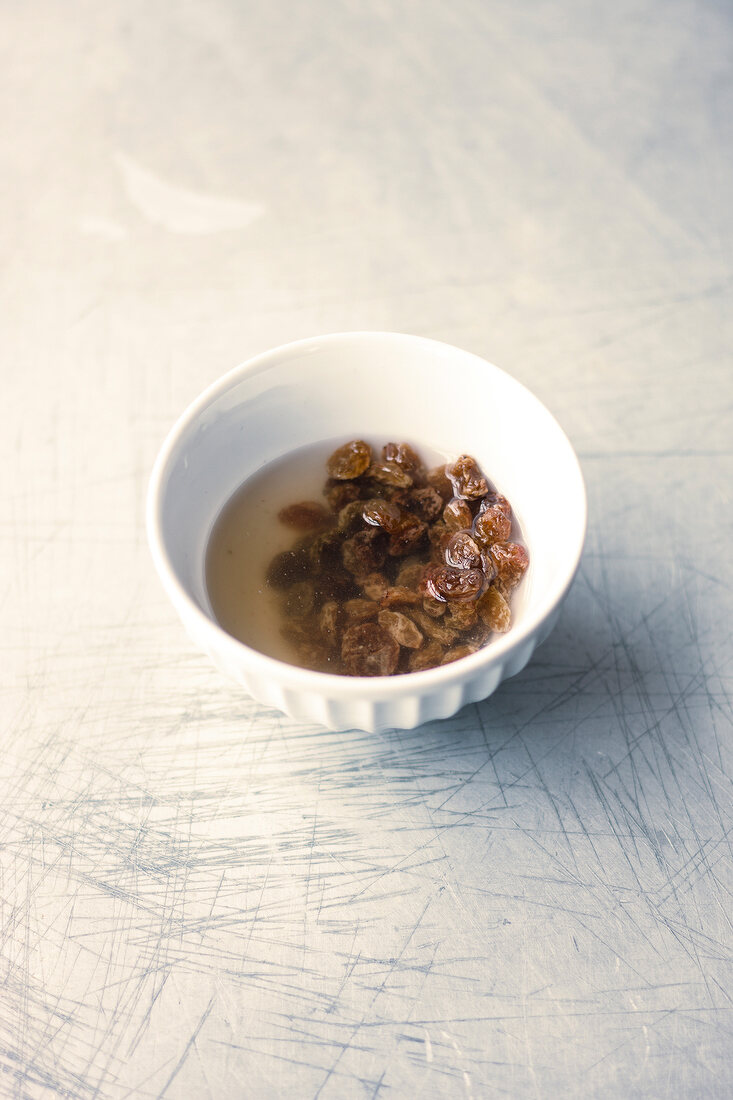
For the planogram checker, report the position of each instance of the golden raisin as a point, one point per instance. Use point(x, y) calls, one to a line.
point(349, 461)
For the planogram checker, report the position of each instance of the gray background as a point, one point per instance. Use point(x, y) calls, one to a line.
point(201, 898)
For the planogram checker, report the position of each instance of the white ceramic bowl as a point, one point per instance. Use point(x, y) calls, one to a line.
point(382, 385)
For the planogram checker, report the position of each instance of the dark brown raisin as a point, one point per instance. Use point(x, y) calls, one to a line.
point(308, 515)
point(350, 517)
point(339, 493)
point(495, 611)
point(402, 629)
point(288, 567)
point(349, 461)
point(382, 513)
point(440, 481)
point(426, 503)
point(325, 552)
point(389, 473)
point(511, 561)
point(364, 552)
point(467, 479)
point(462, 551)
point(457, 515)
point(446, 583)
point(336, 585)
point(367, 649)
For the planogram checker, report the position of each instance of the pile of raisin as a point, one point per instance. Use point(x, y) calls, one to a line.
point(399, 568)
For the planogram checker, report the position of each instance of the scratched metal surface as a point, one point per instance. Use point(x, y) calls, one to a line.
point(201, 898)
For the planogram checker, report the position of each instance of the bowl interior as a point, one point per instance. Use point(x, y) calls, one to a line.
point(384, 386)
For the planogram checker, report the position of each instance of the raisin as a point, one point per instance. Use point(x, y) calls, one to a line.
point(410, 574)
point(399, 596)
point(367, 649)
point(495, 611)
point(402, 629)
point(349, 461)
point(462, 551)
point(339, 493)
point(407, 536)
point(359, 610)
point(308, 515)
point(439, 481)
point(439, 535)
point(336, 585)
point(492, 524)
point(463, 615)
point(429, 656)
point(287, 568)
point(299, 599)
point(389, 473)
point(325, 552)
point(432, 607)
point(435, 628)
point(446, 583)
point(467, 479)
point(382, 513)
point(403, 455)
point(350, 517)
point(426, 503)
point(457, 515)
point(364, 552)
point(511, 561)
point(329, 622)
point(374, 586)
point(456, 653)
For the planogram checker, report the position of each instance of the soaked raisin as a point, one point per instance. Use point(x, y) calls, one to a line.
point(439, 480)
point(367, 649)
point(350, 517)
point(382, 513)
point(287, 568)
point(308, 515)
point(457, 515)
point(446, 583)
point(399, 596)
point(349, 461)
point(299, 599)
point(403, 455)
point(462, 551)
point(456, 653)
point(492, 524)
point(339, 493)
point(435, 628)
point(428, 656)
point(426, 503)
point(439, 536)
point(467, 479)
point(407, 536)
point(511, 561)
point(389, 473)
point(495, 611)
point(402, 629)
point(432, 607)
point(329, 622)
point(359, 610)
point(374, 586)
point(325, 552)
point(364, 552)
point(463, 615)
point(410, 574)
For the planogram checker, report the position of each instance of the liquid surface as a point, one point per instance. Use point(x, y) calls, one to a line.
point(247, 535)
